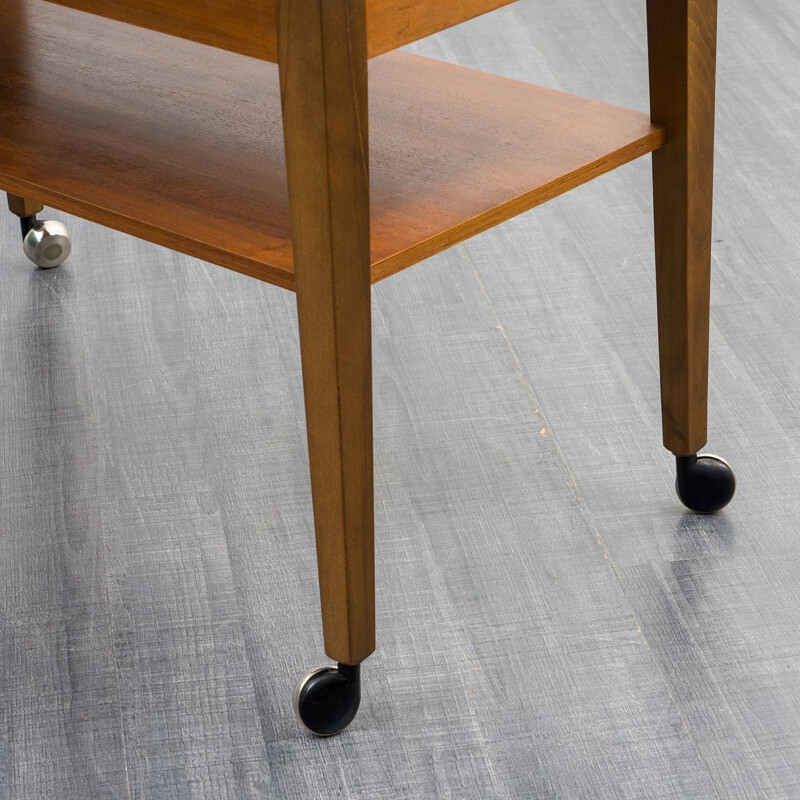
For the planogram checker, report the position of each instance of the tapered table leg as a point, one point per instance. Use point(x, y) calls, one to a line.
point(682, 56)
point(323, 69)
point(25, 209)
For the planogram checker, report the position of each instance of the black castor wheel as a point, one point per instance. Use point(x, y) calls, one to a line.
point(704, 483)
point(45, 242)
point(326, 699)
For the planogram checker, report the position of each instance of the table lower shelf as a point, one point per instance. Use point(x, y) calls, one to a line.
point(181, 144)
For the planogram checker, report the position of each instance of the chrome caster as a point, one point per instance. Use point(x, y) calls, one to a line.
point(45, 242)
point(704, 483)
point(326, 699)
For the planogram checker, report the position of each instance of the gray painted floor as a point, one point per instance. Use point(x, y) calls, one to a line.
point(552, 624)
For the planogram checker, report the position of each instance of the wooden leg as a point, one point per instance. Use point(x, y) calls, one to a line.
point(682, 37)
point(23, 207)
point(682, 49)
point(324, 96)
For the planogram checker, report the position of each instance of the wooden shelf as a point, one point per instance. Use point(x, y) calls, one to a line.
point(181, 144)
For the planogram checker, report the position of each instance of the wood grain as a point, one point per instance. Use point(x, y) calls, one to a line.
point(324, 92)
point(249, 27)
point(682, 50)
point(453, 151)
point(22, 206)
point(498, 614)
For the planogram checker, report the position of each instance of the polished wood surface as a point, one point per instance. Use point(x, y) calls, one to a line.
point(249, 27)
point(182, 145)
point(682, 47)
point(552, 624)
point(23, 206)
point(324, 90)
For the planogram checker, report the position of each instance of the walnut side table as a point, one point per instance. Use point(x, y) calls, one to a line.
point(253, 138)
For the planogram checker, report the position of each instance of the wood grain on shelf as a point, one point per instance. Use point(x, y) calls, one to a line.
point(249, 26)
point(182, 144)
point(682, 37)
point(325, 118)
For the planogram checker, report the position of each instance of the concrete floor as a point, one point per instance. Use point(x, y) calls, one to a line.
point(551, 622)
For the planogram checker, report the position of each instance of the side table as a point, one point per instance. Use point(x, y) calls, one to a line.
point(289, 141)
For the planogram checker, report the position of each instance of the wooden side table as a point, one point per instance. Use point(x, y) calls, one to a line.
point(322, 179)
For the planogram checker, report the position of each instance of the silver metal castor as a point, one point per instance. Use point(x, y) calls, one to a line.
point(326, 699)
point(47, 243)
point(704, 483)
